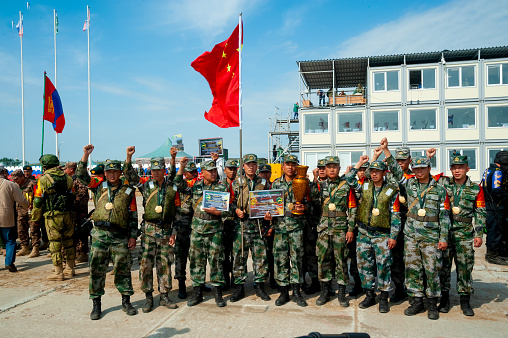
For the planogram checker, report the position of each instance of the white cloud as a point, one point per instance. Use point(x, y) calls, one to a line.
point(454, 25)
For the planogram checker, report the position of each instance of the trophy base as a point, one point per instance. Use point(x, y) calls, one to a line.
point(299, 213)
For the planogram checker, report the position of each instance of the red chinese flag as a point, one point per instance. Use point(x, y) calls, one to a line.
point(220, 67)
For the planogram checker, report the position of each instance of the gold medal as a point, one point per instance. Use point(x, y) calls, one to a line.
point(402, 199)
point(158, 209)
point(109, 206)
point(291, 206)
point(375, 212)
point(421, 212)
point(332, 207)
point(456, 210)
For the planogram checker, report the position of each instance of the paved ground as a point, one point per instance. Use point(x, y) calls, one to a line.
point(30, 306)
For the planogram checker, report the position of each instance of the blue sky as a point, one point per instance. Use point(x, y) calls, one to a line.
point(144, 89)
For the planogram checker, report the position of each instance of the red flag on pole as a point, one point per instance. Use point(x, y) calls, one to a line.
point(220, 67)
point(53, 111)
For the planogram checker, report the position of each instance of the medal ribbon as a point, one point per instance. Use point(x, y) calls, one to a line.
point(376, 195)
point(112, 198)
point(456, 194)
point(420, 198)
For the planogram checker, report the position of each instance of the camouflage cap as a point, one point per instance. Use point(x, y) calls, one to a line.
point(27, 167)
point(379, 165)
point(402, 153)
point(113, 165)
point(248, 158)
point(157, 163)
point(208, 165)
point(17, 173)
point(98, 170)
point(420, 162)
point(265, 168)
point(321, 163)
point(458, 159)
point(191, 166)
point(290, 158)
point(231, 164)
point(71, 165)
point(332, 160)
point(49, 160)
point(365, 165)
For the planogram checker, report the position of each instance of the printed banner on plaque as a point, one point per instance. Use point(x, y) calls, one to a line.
point(215, 199)
point(262, 201)
point(210, 145)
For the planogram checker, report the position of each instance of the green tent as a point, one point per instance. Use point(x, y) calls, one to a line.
point(163, 151)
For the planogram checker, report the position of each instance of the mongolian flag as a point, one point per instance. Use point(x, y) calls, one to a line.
point(53, 111)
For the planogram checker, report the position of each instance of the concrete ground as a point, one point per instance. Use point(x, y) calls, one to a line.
point(30, 305)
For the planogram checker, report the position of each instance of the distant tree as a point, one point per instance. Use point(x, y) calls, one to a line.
point(10, 162)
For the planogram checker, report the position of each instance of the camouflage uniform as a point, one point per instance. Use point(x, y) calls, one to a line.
point(228, 233)
point(157, 226)
point(81, 211)
point(24, 221)
point(111, 232)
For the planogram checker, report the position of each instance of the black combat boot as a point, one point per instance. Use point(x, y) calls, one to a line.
point(465, 306)
point(383, 303)
point(297, 295)
point(197, 297)
point(167, 302)
point(148, 306)
point(369, 300)
point(444, 304)
point(96, 310)
point(284, 296)
point(432, 312)
point(182, 289)
point(127, 306)
point(260, 291)
point(205, 288)
point(342, 296)
point(416, 306)
point(324, 296)
point(218, 296)
point(399, 295)
point(493, 258)
point(238, 294)
point(357, 288)
point(313, 287)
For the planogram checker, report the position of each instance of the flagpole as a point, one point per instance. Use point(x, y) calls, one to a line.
point(240, 85)
point(22, 89)
point(43, 112)
point(89, 107)
point(56, 86)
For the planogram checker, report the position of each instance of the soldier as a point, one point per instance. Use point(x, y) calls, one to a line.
point(265, 171)
point(98, 172)
point(54, 200)
point(160, 205)
point(28, 172)
point(27, 186)
point(337, 203)
point(228, 235)
point(141, 171)
point(426, 232)
point(468, 204)
point(248, 233)
point(206, 236)
point(114, 232)
point(81, 210)
point(378, 221)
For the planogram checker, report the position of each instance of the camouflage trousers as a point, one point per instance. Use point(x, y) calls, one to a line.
point(332, 249)
point(25, 224)
point(60, 229)
point(255, 243)
point(182, 246)
point(205, 247)
point(105, 248)
point(373, 255)
point(288, 257)
point(310, 261)
point(422, 259)
point(462, 253)
point(158, 251)
point(353, 264)
point(398, 267)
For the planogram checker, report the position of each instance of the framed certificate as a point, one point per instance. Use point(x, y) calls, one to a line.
point(215, 199)
point(262, 201)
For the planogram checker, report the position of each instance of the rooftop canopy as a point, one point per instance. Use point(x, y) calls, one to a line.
point(350, 72)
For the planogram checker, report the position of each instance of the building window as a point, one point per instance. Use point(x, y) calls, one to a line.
point(386, 120)
point(423, 152)
point(316, 123)
point(312, 158)
point(422, 119)
point(461, 76)
point(422, 79)
point(348, 158)
point(470, 153)
point(498, 117)
point(497, 74)
point(350, 122)
point(492, 154)
point(386, 81)
point(461, 118)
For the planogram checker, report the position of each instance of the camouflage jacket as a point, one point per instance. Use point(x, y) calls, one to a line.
point(81, 201)
point(290, 222)
point(240, 198)
point(94, 182)
point(28, 191)
point(44, 194)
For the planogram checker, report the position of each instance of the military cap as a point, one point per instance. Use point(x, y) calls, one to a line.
point(290, 158)
point(321, 162)
point(157, 163)
point(191, 166)
point(332, 160)
point(402, 153)
point(379, 165)
point(113, 165)
point(248, 158)
point(71, 165)
point(208, 165)
point(27, 167)
point(98, 170)
point(231, 164)
point(16, 173)
point(49, 160)
point(265, 168)
point(365, 165)
point(458, 159)
point(420, 162)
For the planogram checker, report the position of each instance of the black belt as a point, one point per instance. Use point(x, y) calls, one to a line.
point(462, 219)
point(206, 216)
point(423, 218)
point(108, 225)
point(378, 229)
point(333, 214)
